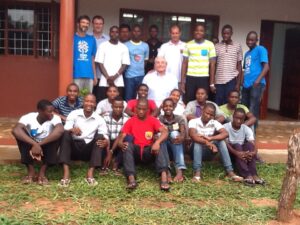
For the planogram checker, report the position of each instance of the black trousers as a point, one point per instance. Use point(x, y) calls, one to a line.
point(191, 86)
point(71, 149)
point(49, 151)
point(101, 92)
point(132, 155)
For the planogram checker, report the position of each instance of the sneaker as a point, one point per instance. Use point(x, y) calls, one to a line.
point(64, 182)
point(91, 181)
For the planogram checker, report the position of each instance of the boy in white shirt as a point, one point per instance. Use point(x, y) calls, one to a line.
point(38, 135)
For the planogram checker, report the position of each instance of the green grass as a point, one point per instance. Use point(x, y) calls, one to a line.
point(214, 201)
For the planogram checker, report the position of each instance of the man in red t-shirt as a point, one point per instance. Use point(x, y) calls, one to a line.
point(144, 149)
point(142, 92)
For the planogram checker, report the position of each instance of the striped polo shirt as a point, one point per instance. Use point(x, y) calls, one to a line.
point(198, 55)
point(227, 57)
point(62, 106)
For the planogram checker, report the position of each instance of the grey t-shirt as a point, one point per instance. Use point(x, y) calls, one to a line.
point(239, 136)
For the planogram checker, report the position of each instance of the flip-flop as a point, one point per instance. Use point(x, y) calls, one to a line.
point(260, 181)
point(196, 179)
point(27, 180)
point(249, 182)
point(164, 186)
point(131, 185)
point(235, 178)
point(179, 179)
point(65, 182)
point(42, 181)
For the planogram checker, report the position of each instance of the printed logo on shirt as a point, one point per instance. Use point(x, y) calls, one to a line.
point(175, 126)
point(247, 64)
point(148, 135)
point(137, 58)
point(83, 48)
point(204, 52)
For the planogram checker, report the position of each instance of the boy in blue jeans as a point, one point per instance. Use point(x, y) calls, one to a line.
point(176, 128)
point(208, 136)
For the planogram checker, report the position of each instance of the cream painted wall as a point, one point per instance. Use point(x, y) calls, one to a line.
point(241, 14)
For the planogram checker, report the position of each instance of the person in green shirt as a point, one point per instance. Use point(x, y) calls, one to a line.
point(232, 104)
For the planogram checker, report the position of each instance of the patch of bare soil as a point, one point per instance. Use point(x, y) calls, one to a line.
point(56, 207)
point(265, 202)
point(295, 220)
point(154, 204)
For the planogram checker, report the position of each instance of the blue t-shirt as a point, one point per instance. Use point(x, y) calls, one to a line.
point(84, 49)
point(253, 65)
point(138, 52)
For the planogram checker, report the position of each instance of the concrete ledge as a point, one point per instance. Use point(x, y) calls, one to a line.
point(10, 154)
point(273, 155)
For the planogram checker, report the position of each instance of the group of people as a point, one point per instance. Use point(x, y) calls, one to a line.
point(163, 114)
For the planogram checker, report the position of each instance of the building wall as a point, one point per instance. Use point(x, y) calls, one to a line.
point(242, 15)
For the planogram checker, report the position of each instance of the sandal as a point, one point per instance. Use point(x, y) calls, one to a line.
point(196, 179)
point(91, 181)
point(42, 181)
point(249, 182)
point(235, 178)
point(170, 179)
point(164, 186)
point(260, 181)
point(117, 172)
point(64, 182)
point(27, 180)
point(178, 179)
point(103, 171)
point(131, 185)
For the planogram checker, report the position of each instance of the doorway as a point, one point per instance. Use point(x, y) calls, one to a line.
point(282, 93)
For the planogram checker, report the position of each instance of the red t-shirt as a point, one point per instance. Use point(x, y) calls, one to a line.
point(142, 130)
point(132, 104)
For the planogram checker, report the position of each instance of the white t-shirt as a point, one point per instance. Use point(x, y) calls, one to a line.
point(160, 86)
point(36, 130)
point(105, 106)
point(112, 57)
point(173, 55)
point(206, 130)
point(88, 126)
point(239, 136)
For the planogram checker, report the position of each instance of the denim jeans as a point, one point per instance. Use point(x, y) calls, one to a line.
point(251, 97)
point(176, 150)
point(223, 91)
point(131, 85)
point(202, 152)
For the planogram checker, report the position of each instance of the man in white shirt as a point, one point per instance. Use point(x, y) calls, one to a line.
point(113, 58)
point(38, 135)
point(160, 82)
point(172, 52)
point(98, 25)
point(85, 138)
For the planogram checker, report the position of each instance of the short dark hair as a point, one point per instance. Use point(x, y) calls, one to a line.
point(83, 17)
point(153, 26)
point(227, 26)
point(142, 85)
point(97, 17)
point(142, 100)
point(233, 91)
point(199, 25)
point(113, 27)
point(240, 110)
point(124, 25)
point(253, 32)
point(118, 99)
point(175, 89)
point(175, 26)
point(136, 26)
point(202, 88)
point(72, 84)
point(168, 100)
point(43, 104)
point(112, 86)
point(210, 105)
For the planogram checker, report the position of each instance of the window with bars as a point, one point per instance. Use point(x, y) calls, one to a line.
point(28, 29)
point(163, 20)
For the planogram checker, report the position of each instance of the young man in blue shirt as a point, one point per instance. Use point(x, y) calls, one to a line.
point(139, 54)
point(256, 66)
point(84, 51)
